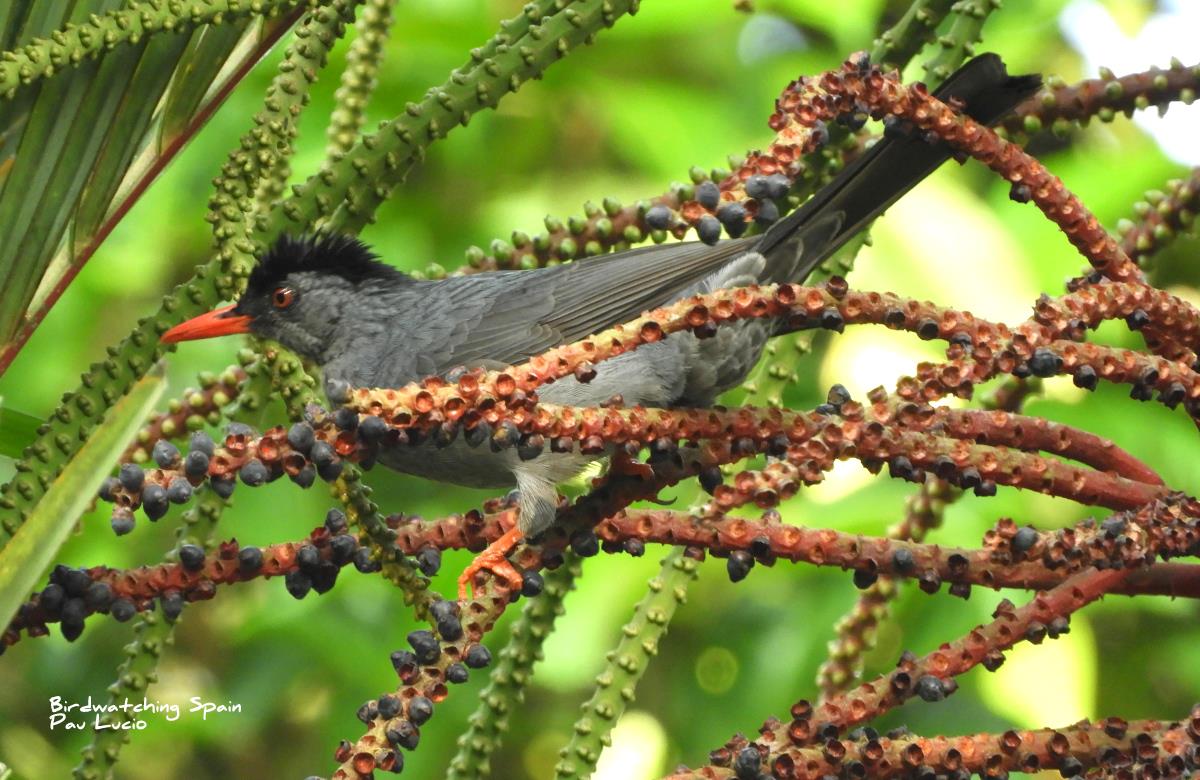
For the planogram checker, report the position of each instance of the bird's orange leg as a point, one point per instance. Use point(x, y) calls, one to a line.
point(495, 560)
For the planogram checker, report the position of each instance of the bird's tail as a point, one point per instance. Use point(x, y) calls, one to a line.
point(796, 245)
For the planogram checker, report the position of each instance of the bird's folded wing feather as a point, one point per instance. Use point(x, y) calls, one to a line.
point(505, 318)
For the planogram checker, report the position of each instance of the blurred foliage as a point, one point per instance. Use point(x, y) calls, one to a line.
point(680, 84)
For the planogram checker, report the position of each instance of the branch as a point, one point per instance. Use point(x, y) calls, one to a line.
point(930, 677)
point(1060, 107)
point(1112, 745)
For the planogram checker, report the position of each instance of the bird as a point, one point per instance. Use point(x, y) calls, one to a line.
point(329, 298)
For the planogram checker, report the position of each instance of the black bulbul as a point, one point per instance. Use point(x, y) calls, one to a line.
point(328, 298)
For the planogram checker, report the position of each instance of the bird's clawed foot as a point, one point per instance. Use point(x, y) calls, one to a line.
point(495, 560)
point(625, 465)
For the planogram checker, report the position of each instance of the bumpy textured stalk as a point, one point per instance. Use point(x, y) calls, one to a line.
point(506, 690)
point(152, 633)
point(295, 386)
point(359, 78)
point(42, 58)
point(257, 168)
point(899, 44)
point(959, 43)
point(776, 371)
point(1062, 107)
point(924, 511)
point(617, 683)
point(307, 54)
point(362, 512)
point(365, 176)
point(1154, 748)
point(856, 629)
point(188, 413)
point(1162, 217)
point(614, 227)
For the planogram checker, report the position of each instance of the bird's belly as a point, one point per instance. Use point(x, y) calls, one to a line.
point(478, 467)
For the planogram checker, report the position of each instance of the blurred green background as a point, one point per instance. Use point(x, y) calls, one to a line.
point(683, 83)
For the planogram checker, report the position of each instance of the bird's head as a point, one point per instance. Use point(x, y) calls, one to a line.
point(302, 294)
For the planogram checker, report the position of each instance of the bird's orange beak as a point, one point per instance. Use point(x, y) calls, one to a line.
point(218, 322)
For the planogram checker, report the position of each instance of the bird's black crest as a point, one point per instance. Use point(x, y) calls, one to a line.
point(331, 253)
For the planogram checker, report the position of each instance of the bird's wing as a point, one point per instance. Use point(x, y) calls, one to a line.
point(501, 318)
point(496, 319)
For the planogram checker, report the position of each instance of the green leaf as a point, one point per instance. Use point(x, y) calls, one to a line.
point(34, 546)
point(79, 146)
point(17, 431)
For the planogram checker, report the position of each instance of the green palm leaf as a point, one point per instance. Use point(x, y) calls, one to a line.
point(77, 148)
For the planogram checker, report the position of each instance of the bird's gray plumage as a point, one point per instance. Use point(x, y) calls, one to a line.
point(369, 325)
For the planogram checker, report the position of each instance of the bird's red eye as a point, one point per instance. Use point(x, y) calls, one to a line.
point(283, 297)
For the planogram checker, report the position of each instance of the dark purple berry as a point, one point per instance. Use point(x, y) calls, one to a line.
point(253, 473)
point(195, 465)
point(73, 613)
point(711, 478)
point(297, 583)
point(1044, 363)
point(75, 582)
point(757, 187)
point(200, 441)
point(426, 646)
point(1024, 540)
point(372, 428)
point(767, 214)
point(154, 501)
point(864, 579)
point(179, 491)
point(107, 487)
point(300, 436)
point(446, 618)
point(250, 560)
point(131, 477)
point(747, 763)
point(322, 454)
point(52, 598)
point(122, 521)
point(98, 597)
point(192, 557)
point(345, 418)
point(364, 562)
point(420, 709)
point(429, 560)
point(708, 194)
point(388, 707)
point(708, 230)
point(223, 486)
point(404, 734)
point(531, 583)
point(324, 577)
point(478, 656)
point(584, 543)
point(305, 477)
point(342, 548)
point(930, 688)
point(308, 558)
point(122, 610)
point(739, 565)
point(658, 217)
point(733, 217)
point(172, 605)
point(165, 454)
